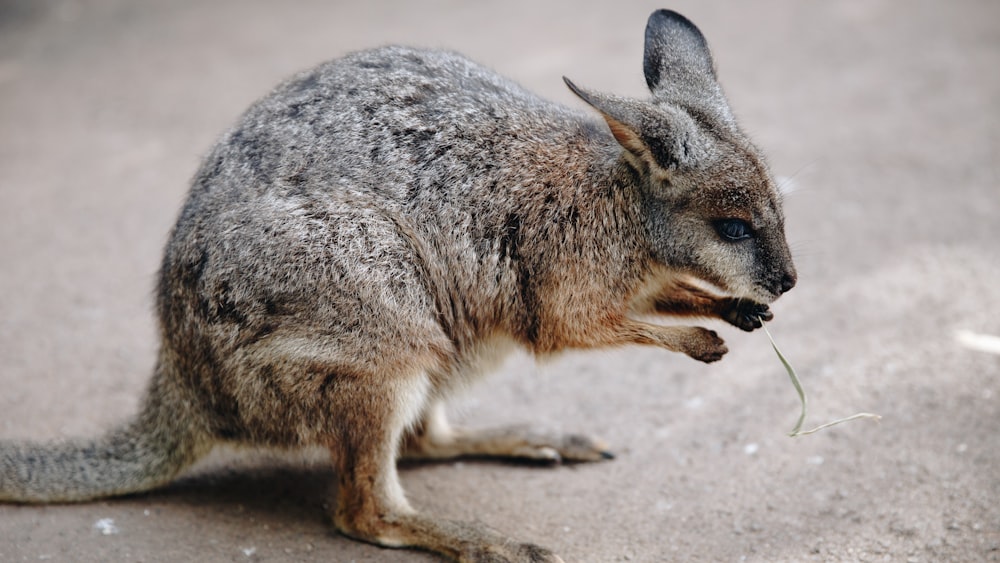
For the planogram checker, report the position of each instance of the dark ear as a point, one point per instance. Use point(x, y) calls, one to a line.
point(675, 51)
point(659, 137)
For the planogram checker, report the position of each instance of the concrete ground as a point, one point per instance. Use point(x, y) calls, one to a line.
point(881, 118)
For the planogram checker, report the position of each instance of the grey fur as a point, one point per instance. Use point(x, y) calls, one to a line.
point(375, 230)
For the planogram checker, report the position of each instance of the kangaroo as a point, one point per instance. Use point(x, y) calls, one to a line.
point(376, 232)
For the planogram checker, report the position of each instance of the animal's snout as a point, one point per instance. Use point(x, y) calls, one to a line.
point(787, 281)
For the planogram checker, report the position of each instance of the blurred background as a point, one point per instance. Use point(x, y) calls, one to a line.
point(881, 120)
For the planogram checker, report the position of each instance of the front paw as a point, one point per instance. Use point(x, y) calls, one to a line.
point(704, 345)
point(746, 315)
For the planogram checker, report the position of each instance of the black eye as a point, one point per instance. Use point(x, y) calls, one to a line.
point(733, 229)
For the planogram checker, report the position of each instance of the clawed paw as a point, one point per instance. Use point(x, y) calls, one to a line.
point(562, 448)
point(705, 345)
point(524, 553)
point(746, 315)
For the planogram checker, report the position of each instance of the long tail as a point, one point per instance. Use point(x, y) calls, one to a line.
point(147, 453)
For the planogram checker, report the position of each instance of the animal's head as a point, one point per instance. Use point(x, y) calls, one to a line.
point(711, 208)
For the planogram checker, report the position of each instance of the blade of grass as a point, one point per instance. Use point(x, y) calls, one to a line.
point(797, 430)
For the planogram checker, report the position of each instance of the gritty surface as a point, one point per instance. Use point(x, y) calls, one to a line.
point(882, 119)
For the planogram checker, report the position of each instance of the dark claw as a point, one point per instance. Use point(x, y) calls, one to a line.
point(747, 315)
point(607, 455)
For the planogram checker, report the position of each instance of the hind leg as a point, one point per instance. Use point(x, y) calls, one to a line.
point(434, 438)
point(371, 505)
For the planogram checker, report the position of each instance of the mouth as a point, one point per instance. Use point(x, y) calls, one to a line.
point(753, 293)
point(764, 296)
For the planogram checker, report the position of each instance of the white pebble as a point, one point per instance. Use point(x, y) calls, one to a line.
point(106, 526)
point(980, 342)
point(751, 448)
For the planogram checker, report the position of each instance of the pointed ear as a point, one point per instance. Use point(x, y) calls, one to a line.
point(659, 137)
point(675, 53)
point(615, 113)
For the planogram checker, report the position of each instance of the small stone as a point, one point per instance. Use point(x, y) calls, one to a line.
point(106, 526)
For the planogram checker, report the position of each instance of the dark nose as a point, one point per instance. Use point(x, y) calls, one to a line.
point(788, 281)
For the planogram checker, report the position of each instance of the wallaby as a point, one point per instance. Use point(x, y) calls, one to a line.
point(376, 232)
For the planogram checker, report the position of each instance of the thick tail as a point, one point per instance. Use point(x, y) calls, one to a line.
point(140, 456)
